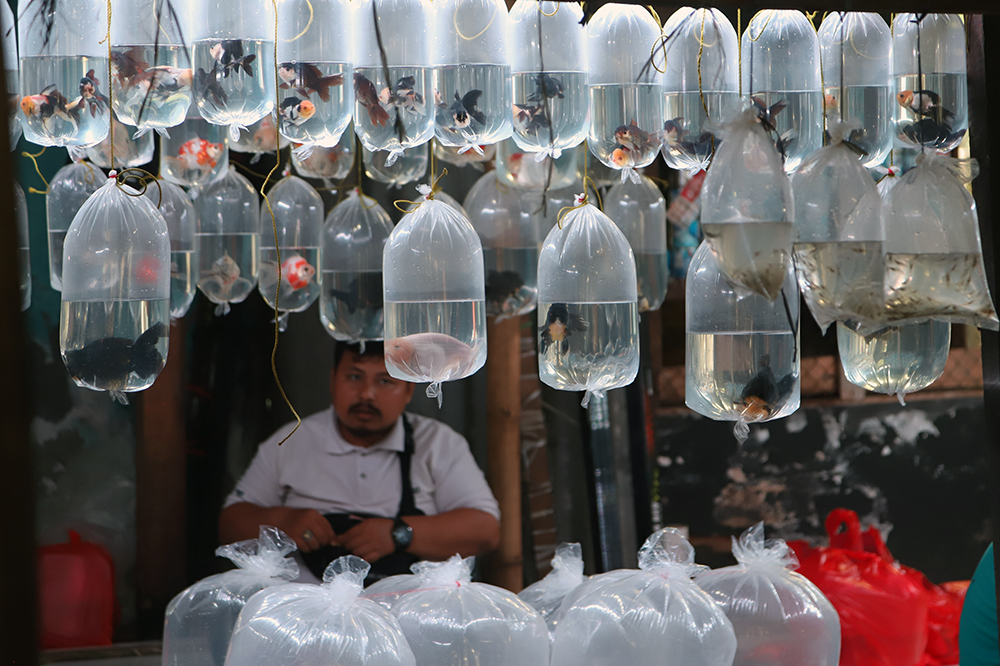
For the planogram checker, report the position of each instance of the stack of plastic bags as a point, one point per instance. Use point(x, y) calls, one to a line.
point(547, 595)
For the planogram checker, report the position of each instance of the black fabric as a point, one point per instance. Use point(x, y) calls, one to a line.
point(390, 565)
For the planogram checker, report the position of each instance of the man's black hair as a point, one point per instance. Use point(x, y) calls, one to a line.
point(372, 349)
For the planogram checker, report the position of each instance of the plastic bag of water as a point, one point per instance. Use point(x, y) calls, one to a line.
point(451, 621)
point(64, 91)
point(459, 157)
point(195, 154)
point(856, 50)
point(129, 151)
point(524, 170)
point(115, 316)
point(781, 74)
point(70, 188)
point(435, 312)
point(838, 248)
point(701, 84)
point(329, 164)
point(232, 56)
point(780, 617)
point(328, 623)
point(408, 167)
point(23, 249)
point(228, 235)
point(640, 211)
point(391, 589)
point(747, 212)
point(182, 225)
point(626, 88)
point(298, 224)
point(551, 75)
point(742, 361)
point(8, 35)
point(933, 255)
point(588, 325)
point(394, 113)
point(199, 621)
point(354, 236)
point(656, 615)
point(929, 80)
point(511, 240)
point(260, 138)
point(547, 595)
point(151, 77)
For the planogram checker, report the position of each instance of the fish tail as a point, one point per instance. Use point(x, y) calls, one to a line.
point(544, 339)
point(577, 323)
point(378, 115)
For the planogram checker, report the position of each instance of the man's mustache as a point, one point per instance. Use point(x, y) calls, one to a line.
point(365, 407)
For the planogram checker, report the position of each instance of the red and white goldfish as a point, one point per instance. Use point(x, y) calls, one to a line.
point(197, 154)
point(432, 355)
point(924, 103)
point(50, 103)
point(296, 111)
point(296, 272)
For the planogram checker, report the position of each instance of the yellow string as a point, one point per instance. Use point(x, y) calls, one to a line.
point(762, 28)
point(111, 124)
point(566, 210)
point(37, 170)
point(305, 29)
point(739, 59)
point(701, 92)
point(433, 158)
point(416, 204)
point(656, 16)
point(458, 31)
point(274, 228)
point(251, 171)
point(145, 184)
point(91, 175)
point(812, 18)
point(548, 15)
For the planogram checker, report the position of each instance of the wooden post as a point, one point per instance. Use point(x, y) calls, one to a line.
point(160, 489)
point(503, 419)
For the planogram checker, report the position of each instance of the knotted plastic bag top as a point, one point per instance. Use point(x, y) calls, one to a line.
point(266, 556)
point(934, 263)
point(747, 212)
point(547, 595)
point(773, 610)
point(630, 616)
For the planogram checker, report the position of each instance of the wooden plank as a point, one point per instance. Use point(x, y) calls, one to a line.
point(505, 567)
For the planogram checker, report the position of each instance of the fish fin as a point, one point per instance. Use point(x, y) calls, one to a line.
point(378, 115)
point(930, 94)
point(544, 339)
point(471, 99)
point(479, 117)
point(246, 63)
point(577, 323)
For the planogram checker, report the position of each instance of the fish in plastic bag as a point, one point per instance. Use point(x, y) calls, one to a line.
point(547, 595)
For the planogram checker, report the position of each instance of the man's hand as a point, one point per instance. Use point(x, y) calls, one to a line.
point(371, 539)
point(302, 523)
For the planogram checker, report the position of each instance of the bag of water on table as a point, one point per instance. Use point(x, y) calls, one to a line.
point(546, 596)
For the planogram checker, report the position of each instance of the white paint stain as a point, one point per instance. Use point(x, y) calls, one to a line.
point(911, 424)
point(796, 422)
point(761, 435)
point(834, 428)
point(873, 427)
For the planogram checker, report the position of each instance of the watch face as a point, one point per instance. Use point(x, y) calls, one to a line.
point(402, 535)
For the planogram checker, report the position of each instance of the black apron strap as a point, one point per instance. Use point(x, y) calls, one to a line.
point(407, 504)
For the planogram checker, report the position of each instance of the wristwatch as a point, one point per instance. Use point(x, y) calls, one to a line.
point(402, 534)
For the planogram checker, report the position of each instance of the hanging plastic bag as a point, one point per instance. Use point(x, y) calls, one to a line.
point(70, 188)
point(780, 618)
point(511, 240)
point(115, 316)
point(742, 361)
point(588, 333)
point(547, 595)
point(409, 167)
point(354, 236)
point(261, 138)
point(933, 255)
point(330, 164)
point(640, 211)
point(523, 169)
point(328, 623)
point(747, 214)
point(200, 620)
point(228, 223)
point(298, 224)
point(435, 312)
point(8, 35)
point(838, 248)
point(196, 154)
point(23, 251)
point(182, 224)
point(129, 152)
point(653, 616)
point(451, 621)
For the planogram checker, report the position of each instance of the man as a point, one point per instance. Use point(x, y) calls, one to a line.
point(340, 484)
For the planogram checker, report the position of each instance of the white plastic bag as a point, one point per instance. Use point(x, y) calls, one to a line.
point(389, 590)
point(653, 616)
point(200, 620)
point(319, 624)
point(775, 611)
point(547, 595)
point(451, 621)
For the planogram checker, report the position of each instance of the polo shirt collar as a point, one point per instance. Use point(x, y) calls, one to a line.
point(337, 445)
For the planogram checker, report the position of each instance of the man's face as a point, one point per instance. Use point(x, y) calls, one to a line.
point(366, 398)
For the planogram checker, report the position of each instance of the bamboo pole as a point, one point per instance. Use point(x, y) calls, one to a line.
point(503, 419)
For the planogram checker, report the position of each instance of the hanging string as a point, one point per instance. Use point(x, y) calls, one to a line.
point(34, 161)
point(739, 35)
point(840, 105)
point(400, 128)
point(433, 157)
point(428, 195)
point(546, 108)
point(144, 180)
point(701, 92)
point(458, 31)
point(584, 200)
point(111, 126)
point(920, 79)
point(277, 250)
point(253, 173)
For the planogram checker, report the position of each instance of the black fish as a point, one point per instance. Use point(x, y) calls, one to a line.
point(305, 78)
point(768, 114)
point(229, 54)
point(546, 86)
point(530, 118)
point(674, 136)
point(128, 64)
point(208, 85)
point(764, 394)
point(91, 95)
point(930, 132)
point(108, 362)
point(560, 324)
point(364, 291)
point(466, 109)
point(501, 285)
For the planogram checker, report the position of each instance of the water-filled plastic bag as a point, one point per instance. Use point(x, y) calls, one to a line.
point(23, 250)
point(115, 316)
point(129, 152)
point(640, 211)
point(780, 617)
point(196, 153)
point(588, 324)
point(182, 225)
point(547, 595)
point(329, 164)
point(70, 188)
point(526, 171)
point(461, 157)
point(259, 139)
point(408, 167)
point(200, 620)
point(8, 38)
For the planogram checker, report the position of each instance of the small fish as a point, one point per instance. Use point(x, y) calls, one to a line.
point(621, 157)
point(674, 136)
point(764, 394)
point(925, 103)
point(91, 95)
point(265, 139)
point(49, 103)
point(126, 65)
point(502, 284)
point(163, 80)
point(530, 118)
point(430, 354)
point(546, 86)
point(405, 96)
point(466, 109)
point(785, 141)
point(634, 139)
point(197, 154)
point(211, 89)
point(367, 96)
point(560, 324)
point(229, 54)
point(296, 272)
point(305, 78)
point(108, 362)
point(767, 115)
point(929, 132)
point(364, 291)
point(297, 111)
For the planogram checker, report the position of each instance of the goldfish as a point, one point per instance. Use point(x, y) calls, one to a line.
point(197, 154)
point(925, 103)
point(404, 96)
point(674, 136)
point(91, 95)
point(108, 362)
point(530, 118)
point(222, 283)
point(506, 292)
point(546, 87)
point(621, 157)
point(634, 139)
point(433, 355)
point(163, 80)
point(265, 139)
point(210, 88)
point(764, 394)
point(126, 65)
point(767, 115)
point(364, 291)
point(297, 111)
point(296, 272)
point(466, 109)
point(229, 54)
point(305, 78)
point(50, 103)
point(367, 96)
point(560, 325)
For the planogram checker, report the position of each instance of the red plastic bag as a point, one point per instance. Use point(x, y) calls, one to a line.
point(883, 607)
point(76, 595)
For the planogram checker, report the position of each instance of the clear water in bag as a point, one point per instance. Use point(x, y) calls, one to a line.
point(299, 286)
point(69, 189)
point(473, 104)
point(896, 359)
point(227, 266)
point(939, 126)
point(652, 272)
point(758, 260)
point(153, 82)
point(688, 139)
point(315, 101)
point(796, 133)
point(519, 167)
point(195, 154)
point(183, 281)
point(333, 163)
point(871, 108)
point(956, 280)
point(511, 280)
point(377, 107)
point(351, 305)
point(409, 167)
point(129, 152)
point(434, 341)
point(236, 88)
point(857, 278)
point(625, 124)
point(55, 108)
point(568, 110)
